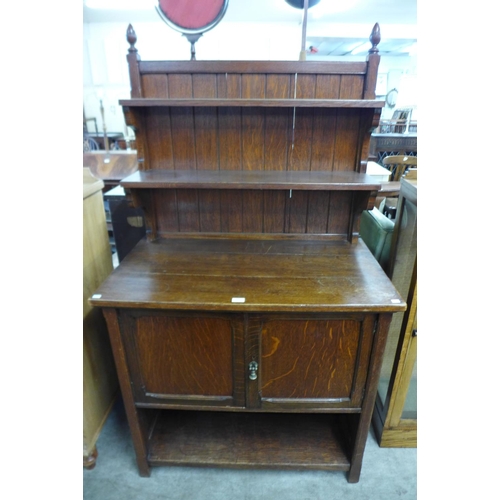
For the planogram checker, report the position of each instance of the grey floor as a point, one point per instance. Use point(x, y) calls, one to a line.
point(386, 474)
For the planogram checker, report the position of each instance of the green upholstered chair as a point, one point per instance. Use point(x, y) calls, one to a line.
point(376, 231)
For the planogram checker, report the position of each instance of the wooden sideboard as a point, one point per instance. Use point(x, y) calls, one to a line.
point(388, 144)
point(110, 166)
point(248, 327)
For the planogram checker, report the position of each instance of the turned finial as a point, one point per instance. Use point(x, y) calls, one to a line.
point(374, 39)
point(131, 38)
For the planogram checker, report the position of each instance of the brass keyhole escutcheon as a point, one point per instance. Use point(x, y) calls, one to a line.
point(253, 367)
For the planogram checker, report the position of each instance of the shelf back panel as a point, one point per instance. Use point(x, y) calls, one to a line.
point(252, 211)
point(251, 138)
point(252, 86)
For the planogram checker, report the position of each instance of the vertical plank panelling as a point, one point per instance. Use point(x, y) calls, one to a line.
point(327, 86)
point(207, 153)
point(299, 152)
point(183, 141)
point(229, 86)
point(253, 140)
point(155, 86)
point(276, 150)
point(205, 123)
point(322, 151)
point(347, 140)
point(253, 216)
point(180, 85)
point(166, 210)
point(206, 149)
point(297, 211)
point(325, 124)
point(277, 123)
point(317, 212)
point(159, 136)
point(253, 137)
point(339, 211)
point(210, 210)
point(230, 156)
point(274, 211)
point(159, 127)
point(187, 205)
point(231, 211)
point(351, 87)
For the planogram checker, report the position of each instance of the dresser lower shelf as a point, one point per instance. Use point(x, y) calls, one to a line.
point(248, 440)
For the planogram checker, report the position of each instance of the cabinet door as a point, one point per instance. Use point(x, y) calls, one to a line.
point(314, 362)
point(177, 359)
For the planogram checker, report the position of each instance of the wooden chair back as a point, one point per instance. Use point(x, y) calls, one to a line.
point(398, 164)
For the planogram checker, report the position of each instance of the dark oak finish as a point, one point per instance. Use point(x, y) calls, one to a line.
point(189, 359)
point(306, 360)
point(255, 102)
point(254, 67)
point(292, 274)
point(249, 326)
point(135, 418)
point(261, 180)
point(235, 440)
point(179, 202)
point(382, 145)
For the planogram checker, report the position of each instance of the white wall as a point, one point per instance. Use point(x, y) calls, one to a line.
point(105, 71)
point(400, 73)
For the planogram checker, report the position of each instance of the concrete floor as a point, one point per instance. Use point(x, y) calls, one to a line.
point(386, 474)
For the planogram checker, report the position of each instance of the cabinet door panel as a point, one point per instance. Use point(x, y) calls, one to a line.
point(182, 359)
point(303, 361)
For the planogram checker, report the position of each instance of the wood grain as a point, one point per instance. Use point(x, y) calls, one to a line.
point(251, 187)
point(309, 359)
point(256, 102)
point(184, 356)
point(259, 180)
point(332, 67)
point(237, 440)
point(291, 275)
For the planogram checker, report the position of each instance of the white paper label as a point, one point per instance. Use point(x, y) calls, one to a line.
point(395, 301)
point(96, 296)
point(238, 299)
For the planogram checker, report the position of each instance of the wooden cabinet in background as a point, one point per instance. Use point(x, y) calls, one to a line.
point(395, 415)
point(100, 383)
point(390, 144)
point(127, 223)
point(248, 327)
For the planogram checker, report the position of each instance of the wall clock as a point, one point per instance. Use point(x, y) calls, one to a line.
point(391, 98)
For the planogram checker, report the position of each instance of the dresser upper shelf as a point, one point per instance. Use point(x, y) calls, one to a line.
point(251, 179)
point(270, 103)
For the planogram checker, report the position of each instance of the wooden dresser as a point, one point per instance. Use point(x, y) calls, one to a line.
point(248, 327)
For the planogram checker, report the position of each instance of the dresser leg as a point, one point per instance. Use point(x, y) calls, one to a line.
point(378, 347)
point(144, 469)
point(89, 461)
point(136, 423)
point(353, 475)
